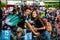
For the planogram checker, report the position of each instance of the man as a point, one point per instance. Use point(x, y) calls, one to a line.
point(24, 23)
point(52, 17)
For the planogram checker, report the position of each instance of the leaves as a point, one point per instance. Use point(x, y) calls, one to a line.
point(52, 4)
point(2, 5)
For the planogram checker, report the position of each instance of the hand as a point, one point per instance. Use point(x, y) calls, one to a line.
point(35, 29)
point(37, 33)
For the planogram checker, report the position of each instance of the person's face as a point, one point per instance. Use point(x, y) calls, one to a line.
point(27, 11)
point(34, 14)
point(19, 10)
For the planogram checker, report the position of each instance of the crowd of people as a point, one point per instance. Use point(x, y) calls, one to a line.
point(33, 23)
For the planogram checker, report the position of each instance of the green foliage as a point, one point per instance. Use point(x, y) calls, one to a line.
point(52, 4)
point(2, 5)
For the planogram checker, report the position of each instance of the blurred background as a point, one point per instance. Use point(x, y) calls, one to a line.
point(47, 3)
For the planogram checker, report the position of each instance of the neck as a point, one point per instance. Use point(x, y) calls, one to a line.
point(26, 14)
point(33, 18)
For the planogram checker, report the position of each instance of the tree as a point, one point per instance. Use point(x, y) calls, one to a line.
point(2, 5)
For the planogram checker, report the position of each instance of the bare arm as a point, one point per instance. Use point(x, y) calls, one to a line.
point(42, 28)
point(32, 29)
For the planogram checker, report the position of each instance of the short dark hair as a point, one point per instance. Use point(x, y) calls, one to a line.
point(18, 8)
point(35, 8)
point(14, 10)
point(25, 8)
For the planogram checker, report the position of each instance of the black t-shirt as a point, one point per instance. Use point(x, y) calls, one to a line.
point(22, 23)
point(38, 24)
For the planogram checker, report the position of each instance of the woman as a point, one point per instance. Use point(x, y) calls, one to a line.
point(39, 26)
